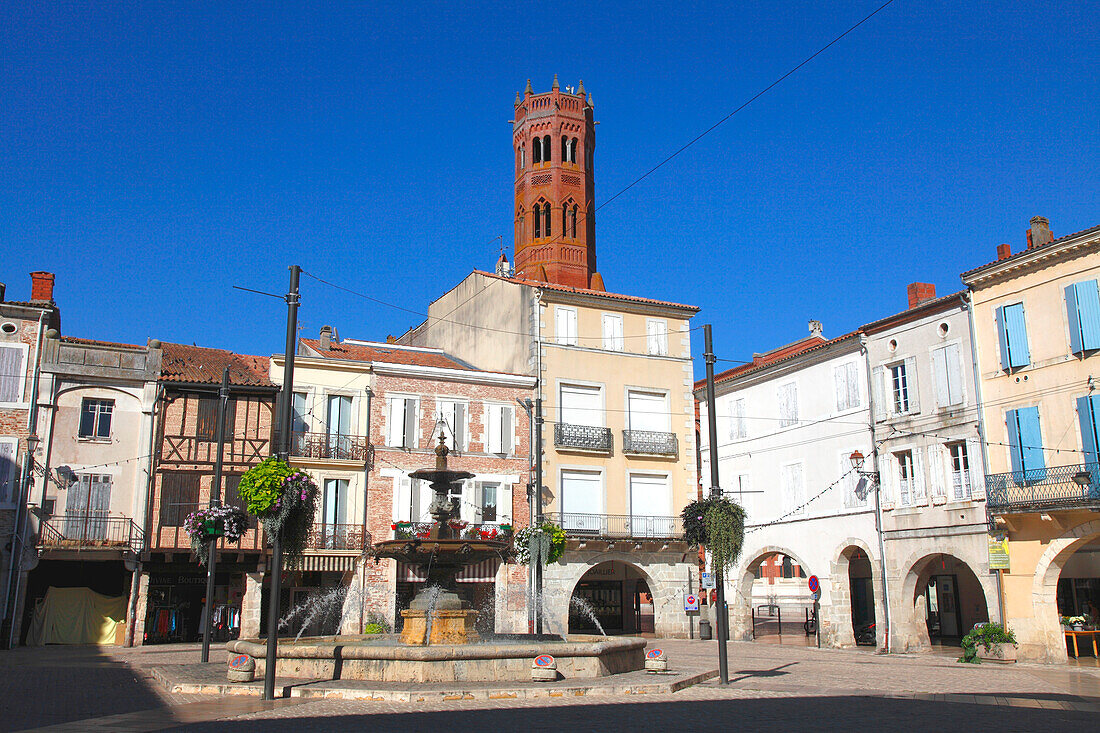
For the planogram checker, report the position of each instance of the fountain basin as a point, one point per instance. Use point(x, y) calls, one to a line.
point(578, 656)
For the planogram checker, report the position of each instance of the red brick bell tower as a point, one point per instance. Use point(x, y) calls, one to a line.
point(555, 141)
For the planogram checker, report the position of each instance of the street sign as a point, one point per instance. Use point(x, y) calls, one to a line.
point(708, 580)
point(815, 596)
point(815, 586)
point(691, 602)
point(655, 653)
point(544, 660)
point(998, 553)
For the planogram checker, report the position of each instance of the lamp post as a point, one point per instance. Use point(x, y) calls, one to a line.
point(872, 478)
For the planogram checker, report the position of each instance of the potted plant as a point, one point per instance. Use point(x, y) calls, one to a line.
point(990, 642)
point(718, 524)
point(207, 525)
point(284, 500)
point(543, 544)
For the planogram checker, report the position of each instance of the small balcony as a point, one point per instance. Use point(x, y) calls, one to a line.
point(1044, 489)
point(332, 447)
point(650, 443)
point(338, 537)
point(620, 526)
point(90, 532)
point(583, 437)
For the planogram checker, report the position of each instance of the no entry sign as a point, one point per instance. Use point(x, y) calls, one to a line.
point(691, 602)
point(815, 586)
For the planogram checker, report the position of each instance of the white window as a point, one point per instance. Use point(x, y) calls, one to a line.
point(582, 500)
point(581, 405)
point(453, 415)
point(334, 506)
point(565, 325)
point(300, 413)
point(95, 418)
point(788, 404)
point(960, 470)
point(612, 332)
point(846, 380)
point(794, 492)
point(947, 373)
point(906, 477)
point(656, 332)
point(12, 373)
point(738, 429)
point(402, 422)
point(8, 473)
point(500, 431)
point(647, 411)
point(902, 385)
point(650, 506)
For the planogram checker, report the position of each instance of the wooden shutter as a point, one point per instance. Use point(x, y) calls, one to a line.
point(1086, 418)
point(940, 379)
point(411, 433)
point(1015, 329)
point(11, 373)
point(911, 384)
point(974, 463)
point(459, 426)
point(506, 430)
point(939, 473)
point(918, 484)
point(878, 393)
point(956, 391)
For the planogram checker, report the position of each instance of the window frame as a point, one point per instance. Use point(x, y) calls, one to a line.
point(657, 338)
point(21, 377)
point(614, 341)
point(97, 416)
point(787, 421)
point(404, 397)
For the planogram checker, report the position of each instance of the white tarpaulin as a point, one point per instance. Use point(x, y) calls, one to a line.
point(76, 616)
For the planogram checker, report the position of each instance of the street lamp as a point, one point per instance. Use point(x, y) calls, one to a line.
point(1082, 479)
point(871, 477)
point(871, 481)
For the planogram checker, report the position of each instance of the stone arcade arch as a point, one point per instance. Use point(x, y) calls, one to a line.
point(739, 585)
point(852, 562)
point(1041, 637)
point(975, 592)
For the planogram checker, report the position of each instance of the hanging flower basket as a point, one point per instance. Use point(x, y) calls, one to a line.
point(543, 544)
point(207, 525)
point(284, 500)
point(717, 524)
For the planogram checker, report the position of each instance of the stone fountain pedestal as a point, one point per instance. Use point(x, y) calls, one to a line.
point(447, 627)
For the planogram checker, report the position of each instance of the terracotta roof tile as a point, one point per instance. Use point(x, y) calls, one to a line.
point(202, 365)
point(585, 291)
point(775, 356)
point(390, 354)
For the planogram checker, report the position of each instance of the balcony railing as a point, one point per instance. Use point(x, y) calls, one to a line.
point(90, 531)
point(1042, 489)
point(650, 443)
point(584, 437)
point(330, 446)
point(338, 537)
point(620, 526)
point(402, 530)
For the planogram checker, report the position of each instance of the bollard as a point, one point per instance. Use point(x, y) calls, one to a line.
point(242, 668)
point(544, 669)
point(704, 630)
point(656, 661)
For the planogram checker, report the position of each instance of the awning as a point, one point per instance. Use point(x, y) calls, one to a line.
point(324, 563)
point(483, 572)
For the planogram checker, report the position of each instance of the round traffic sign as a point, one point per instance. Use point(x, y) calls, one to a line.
point(692, 600)
point(544, 660)
point(814, 584)
point(655, 654)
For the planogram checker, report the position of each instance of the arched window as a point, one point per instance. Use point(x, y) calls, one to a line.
point(564, 217)
point(573, 221)
point(521, 233)
point(546, 149)
point(564, 149)
point(573, 150)
point(536, 150)
point(522, 157)
point(538, 219)
point(546, 217)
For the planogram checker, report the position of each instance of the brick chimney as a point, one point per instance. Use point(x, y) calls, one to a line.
point(1039, 233)
point(1004, 251)
point(3, 290)
point(920, 292)
point(42, 286)
point(326, 337)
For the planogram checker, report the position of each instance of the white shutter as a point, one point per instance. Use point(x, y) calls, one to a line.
point(878, 393)
point(492, 419)
point(647, 411)
point(940, 377)
point(11, 373)
point(919, 488)
point(840, 384)
point(7, 471)
point(412, 433)
point(581, 493)
point(888, 471)
point(853, 385)
point(649, 496)
point(938, 469)
point(504, 503)
point(424, 497)
point(470, 503)
point(953, 370)
point(396, 422)
point(580, 406)
point(402, 499)
point(459, 426)
point(565, 326)
point(911, 384)
point(792, 487)
point(612, 332)
point(506, 430)
point(974, 460)
point(656, 337)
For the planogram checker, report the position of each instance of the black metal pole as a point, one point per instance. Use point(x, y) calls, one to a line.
point(715, 491)
point(283, 433)
point(215, 497)
point(537, 519)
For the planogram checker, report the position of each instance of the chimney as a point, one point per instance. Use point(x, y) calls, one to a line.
point(816, 329)
point(42, 286)
point(920, 292)
point(1039, 233)
point(3, 289)
point(1004, 251)
point(326, 337)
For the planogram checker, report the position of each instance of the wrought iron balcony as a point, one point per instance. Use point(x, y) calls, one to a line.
point(330, 446)
point(650, 443)
point(584, 437)
point(620, 526)
point(1043, 489)
point(90, 532)
point(338, 537)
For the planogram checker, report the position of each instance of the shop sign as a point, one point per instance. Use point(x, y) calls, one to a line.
point(998, 553)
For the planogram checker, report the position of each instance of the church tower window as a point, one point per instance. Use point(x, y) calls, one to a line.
point(536, 150)
point(546, 216)
point(546, 149)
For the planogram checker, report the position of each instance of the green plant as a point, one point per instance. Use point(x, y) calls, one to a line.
point(284, 500)
point(984, 635)
point(544, 543)
point(1074, 620)
point(377, 621)
point(719, 525)
point(373, 628)
point(261, 485)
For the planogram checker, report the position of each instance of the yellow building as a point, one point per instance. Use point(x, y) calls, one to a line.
point(1036, 316)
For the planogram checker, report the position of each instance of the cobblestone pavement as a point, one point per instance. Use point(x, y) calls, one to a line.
point(772, 688)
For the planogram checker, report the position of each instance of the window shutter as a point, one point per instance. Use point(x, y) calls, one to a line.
point(974, 461)
point(411, 437)
point(1088, 310)
point(395, 427)
point(504, 503)
point(918, 484)
point(11, 373)
point(470, 509)
point(506, 430)
point(853, 385)
point(940, 378)
point(956, 392)
point(1086, 416)
point(911, 384)
point(1016, 335)
point(402, 499)
point(7, 471)
point(424, 497)
point(1073, 315)
point(560, 322)
point(840, 383)
point(459, 426)
point(938, 469)
point(1015, 455)
point(878, 393)
point(1031, 441)
point(493, 437)
point(1002, 338)
point(887, 473)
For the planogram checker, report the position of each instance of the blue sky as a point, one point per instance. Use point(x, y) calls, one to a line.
point(153, 155)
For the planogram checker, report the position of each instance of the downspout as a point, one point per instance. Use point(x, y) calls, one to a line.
point(878, 492)
point(366, 494)
point(967, 296)
point(147, 520)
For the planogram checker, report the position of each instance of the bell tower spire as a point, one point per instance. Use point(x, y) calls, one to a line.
point(554, 138)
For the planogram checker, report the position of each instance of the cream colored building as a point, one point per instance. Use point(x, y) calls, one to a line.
point(618, 459)
point(1036, 317)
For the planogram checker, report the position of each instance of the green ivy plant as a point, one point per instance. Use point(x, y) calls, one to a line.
point(262, 485)
point(284, 500)
point(718, 524)
point(543, 544)
point(985, 635)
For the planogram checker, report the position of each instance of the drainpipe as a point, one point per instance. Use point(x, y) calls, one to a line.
point(155, 425)
point(366, 487)
point(878, 493)
point(968, 297)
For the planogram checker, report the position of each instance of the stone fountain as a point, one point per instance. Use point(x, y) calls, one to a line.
point(437, 615)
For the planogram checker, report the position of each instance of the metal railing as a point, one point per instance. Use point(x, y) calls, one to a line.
point(650, 443)
point(402, 530)
point(338, 537)
point(330, 446)
point(1042, 488)
point(91, 531)
point(585, 437)
point(620, 526)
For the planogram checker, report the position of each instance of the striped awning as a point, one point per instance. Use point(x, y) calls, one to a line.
point(324, 563)
point(483, 572)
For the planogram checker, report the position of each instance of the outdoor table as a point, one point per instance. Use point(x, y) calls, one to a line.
point(1073, 634)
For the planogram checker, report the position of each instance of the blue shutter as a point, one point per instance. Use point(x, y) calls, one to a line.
point(1015, 456)
point(1073, 315)
point(1015, 330)
point(1086, 416)
point(1002, 338)
point(1031, 443)
point(1088, 314)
